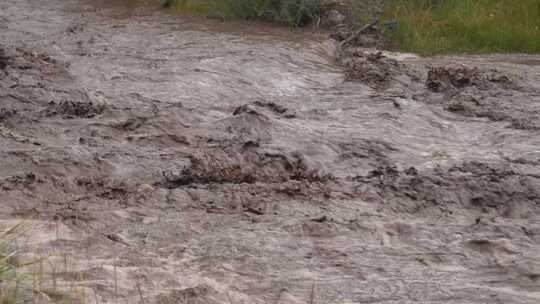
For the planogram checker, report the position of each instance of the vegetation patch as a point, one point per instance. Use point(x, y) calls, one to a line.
point(465, 26)
point(290, 12)
point(426, 27)
point(12, 282)
point(22, 279)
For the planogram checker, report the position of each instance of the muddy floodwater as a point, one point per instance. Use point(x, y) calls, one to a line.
point(161, 158)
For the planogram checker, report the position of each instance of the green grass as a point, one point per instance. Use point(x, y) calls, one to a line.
point(289, 12)
point(465, 26)
point(426, 27)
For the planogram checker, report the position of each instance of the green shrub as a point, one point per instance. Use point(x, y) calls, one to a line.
point(465, 26)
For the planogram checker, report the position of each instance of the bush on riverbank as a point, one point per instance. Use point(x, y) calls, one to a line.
point(465, 26)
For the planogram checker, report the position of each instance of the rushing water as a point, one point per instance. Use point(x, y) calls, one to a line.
point(257, 219)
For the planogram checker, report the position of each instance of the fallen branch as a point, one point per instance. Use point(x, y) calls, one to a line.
point(358, 32)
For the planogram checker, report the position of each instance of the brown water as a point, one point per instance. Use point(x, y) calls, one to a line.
point(194, 161)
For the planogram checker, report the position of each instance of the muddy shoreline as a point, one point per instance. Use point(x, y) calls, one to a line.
point(193, 164)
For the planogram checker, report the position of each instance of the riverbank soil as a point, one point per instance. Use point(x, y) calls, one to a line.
point(169, 159)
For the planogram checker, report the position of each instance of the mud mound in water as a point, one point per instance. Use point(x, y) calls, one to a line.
point(371, 68)
point(496, 108)
point(473, 92)
point(35, 86)
point(73, 109)
point(270, 105)
point(26, 59)
point(253, 123)
point(248, 124)
point(246, 164)
point(485, 187)
point(240, 157)
point(445, 78)
point(32, 76)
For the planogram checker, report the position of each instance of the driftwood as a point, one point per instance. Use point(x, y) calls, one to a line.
point(358, 32)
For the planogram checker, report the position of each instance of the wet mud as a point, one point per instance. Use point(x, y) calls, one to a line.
point(373, 68)
point(490, 94)
point(162, 158)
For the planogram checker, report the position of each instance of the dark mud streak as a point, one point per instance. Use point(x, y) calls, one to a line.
point(470, 185)
point(468, 91)
point(217, 166)
point(490, 94)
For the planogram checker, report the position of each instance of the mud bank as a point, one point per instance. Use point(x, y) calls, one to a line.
point(185, 162)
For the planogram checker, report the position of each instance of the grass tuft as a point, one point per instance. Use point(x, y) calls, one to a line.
point(17, 284)
point(10, 279)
